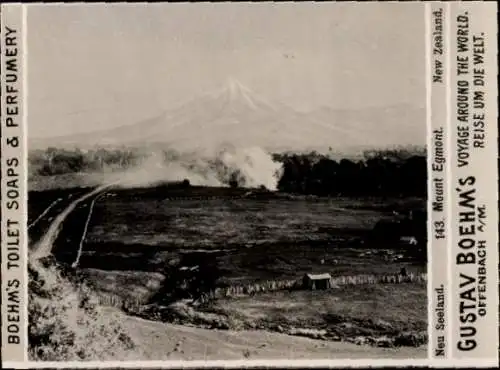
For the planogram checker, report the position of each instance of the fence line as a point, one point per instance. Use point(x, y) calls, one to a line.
point(114, 300)
point(276, 285)
point(84, 234)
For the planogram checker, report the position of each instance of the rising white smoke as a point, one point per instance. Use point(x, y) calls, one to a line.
point(247, 167)
point(154, 169)
point(250, 167)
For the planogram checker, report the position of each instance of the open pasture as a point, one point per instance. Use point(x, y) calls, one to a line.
point(138, 240)
point(373, 310)
point(223, 222)
point(247, 238)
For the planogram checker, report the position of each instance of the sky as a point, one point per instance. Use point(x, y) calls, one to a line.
point(98, 66)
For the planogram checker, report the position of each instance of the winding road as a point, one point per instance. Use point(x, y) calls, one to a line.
point(44, 247)
point(46, 210)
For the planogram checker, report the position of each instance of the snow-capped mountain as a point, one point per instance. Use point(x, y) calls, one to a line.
point(236, 115)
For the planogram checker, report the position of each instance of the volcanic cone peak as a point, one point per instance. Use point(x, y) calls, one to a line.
point(237, 115)
point(235, 93)
point(236, 89)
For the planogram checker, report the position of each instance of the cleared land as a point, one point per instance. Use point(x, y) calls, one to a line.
point(139, 238)
point(249, 239)
point(345, 312)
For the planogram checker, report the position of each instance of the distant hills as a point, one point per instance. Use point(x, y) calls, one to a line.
point(237, 116)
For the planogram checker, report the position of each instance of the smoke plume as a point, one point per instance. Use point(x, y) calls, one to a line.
point(227, 165)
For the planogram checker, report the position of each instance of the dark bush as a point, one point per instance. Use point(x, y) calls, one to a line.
point(379, 174)
point(400, 173)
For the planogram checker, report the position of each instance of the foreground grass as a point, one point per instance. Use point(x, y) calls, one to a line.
point(346, 312)
point(400, 306)
point(383, 315)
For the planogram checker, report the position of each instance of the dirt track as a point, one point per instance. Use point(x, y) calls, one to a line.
point(44, 246)
point(160, 341)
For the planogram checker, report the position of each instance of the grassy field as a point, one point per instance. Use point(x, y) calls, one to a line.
point(248, 239)
point(137, 237)
point(222, 223)
point(345, 312)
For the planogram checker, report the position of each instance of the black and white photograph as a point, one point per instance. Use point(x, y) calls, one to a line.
point(227, 181)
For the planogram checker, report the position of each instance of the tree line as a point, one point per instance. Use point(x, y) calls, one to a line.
point(379, 173)
point(56, 161)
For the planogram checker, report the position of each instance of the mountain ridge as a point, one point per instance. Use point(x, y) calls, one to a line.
point(240, 117)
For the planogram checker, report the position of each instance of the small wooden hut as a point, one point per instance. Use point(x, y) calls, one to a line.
point(316, 281)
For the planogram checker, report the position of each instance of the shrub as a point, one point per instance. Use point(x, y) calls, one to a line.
point(67, 324)
point(410, 339)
